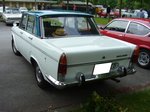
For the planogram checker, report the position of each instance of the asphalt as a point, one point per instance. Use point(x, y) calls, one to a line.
point(20, 93)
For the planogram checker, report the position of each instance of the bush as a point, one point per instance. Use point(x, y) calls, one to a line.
point(97, 103)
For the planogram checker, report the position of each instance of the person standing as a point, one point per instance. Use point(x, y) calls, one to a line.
point(140, 14)
point(74, 7)
point(108, 11)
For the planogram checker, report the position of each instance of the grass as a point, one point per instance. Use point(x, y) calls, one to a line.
point(102, 21)
point(136, 102)
point(128, 102)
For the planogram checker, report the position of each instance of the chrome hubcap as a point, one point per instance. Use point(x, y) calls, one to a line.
point(143, 58)
point(38, 74)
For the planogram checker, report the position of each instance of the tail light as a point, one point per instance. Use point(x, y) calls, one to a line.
point(62, 68)
point(135, 55)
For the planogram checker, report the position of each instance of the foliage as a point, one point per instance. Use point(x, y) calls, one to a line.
point(134, 102)
point(137, 101)
point(130, 4)
point(102, 21)
point(97, 103)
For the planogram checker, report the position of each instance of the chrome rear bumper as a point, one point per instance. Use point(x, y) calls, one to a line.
point(80, 78)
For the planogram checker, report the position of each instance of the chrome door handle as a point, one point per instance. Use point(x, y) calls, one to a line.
point(21, 32)
point(120, 35)
point(30, 38)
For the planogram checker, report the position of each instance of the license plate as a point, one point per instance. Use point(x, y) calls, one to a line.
point(102, 68)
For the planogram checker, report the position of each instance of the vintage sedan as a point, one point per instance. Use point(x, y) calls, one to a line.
point(23, 9)
point(65, 48)
point(1, 9)
point(11, 15)
point(136, 31)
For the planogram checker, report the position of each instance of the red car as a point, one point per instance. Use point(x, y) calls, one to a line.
point(136, 31)
point(112, 13)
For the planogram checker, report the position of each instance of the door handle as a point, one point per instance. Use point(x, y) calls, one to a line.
point(120, 35)
point(21, 32)
point(30, 38)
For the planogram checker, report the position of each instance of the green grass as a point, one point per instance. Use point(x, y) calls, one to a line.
point(128, 102)
point(136, 102)
point(102, 21)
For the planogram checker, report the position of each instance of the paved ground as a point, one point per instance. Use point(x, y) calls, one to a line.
point(19, 92)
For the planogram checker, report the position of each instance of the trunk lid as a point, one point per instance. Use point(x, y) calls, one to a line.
point(92, 49)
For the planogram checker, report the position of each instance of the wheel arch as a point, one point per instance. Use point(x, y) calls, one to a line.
point(143, 47)
point(12, 37)
point(13, 40)
point(33, 61)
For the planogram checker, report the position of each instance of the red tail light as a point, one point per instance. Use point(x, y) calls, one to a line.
point(62, 69)
point(135, 54)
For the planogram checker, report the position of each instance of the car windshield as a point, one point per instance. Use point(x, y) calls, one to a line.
point(68, 26)
point(15, 11)
point(12, 11)
point(23, 8)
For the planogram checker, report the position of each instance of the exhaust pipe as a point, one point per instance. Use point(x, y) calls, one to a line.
point(122, 71)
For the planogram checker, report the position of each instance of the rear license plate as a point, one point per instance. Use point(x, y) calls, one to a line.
point(102, 68)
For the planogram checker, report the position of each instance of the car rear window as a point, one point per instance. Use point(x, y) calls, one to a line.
point(68, 26)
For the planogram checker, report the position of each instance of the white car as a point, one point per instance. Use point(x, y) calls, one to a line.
point(1, 10)
point(11, 15)
point(133, 13)
point(65, 48)
point(23, 9)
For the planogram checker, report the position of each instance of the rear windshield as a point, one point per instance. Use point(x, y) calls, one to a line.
point(68, 26)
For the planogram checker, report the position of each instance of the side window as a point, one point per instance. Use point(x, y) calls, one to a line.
point(23, 22)
point(83, 24)
point(138, 29)
point(30, 24)
point(119, 26)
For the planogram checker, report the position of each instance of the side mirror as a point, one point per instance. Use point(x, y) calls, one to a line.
point(102, 28)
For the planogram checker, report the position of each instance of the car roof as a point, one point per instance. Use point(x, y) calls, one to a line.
point(56, 12)
point(140, 20)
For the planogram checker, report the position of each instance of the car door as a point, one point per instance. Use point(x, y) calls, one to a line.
point(115, 29)
point(138, 34)
point(19, 35)
point(27, 37)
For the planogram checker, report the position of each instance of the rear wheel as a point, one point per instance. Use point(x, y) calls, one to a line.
point(16, 52)
point(42, 83)
point(144, 58)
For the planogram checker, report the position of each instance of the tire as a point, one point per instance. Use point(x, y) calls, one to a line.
point(144, 59)
point(41, 82)
point(16, 52)
point(6, 24)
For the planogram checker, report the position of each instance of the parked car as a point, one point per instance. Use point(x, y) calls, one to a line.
point(103, 13)
point(23, 9)
point(65, 48)
point(136, 31)
point(1, 10)
point(11, 15)
point(133, 13)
